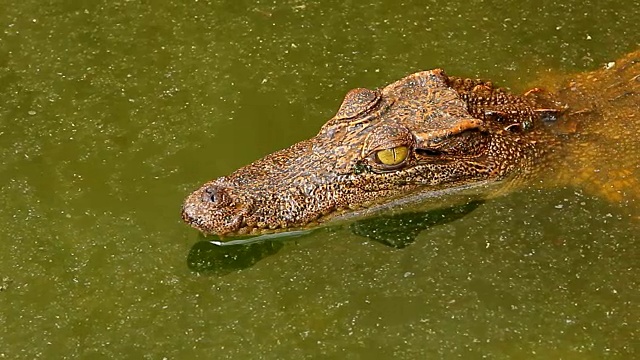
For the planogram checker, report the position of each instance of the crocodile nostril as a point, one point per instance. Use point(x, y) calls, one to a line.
point(215, 195)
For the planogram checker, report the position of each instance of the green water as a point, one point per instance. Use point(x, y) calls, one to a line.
point(112, 112)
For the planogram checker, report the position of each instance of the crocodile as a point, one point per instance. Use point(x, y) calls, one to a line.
point(430, 134)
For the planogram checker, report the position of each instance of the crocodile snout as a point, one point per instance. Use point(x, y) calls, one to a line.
point(216, 208)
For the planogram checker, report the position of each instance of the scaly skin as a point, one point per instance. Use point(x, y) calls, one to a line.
point(458, 132)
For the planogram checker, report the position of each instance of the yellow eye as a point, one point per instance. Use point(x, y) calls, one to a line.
point(393, 156)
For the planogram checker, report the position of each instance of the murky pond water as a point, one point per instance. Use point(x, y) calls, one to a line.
point(112, 112)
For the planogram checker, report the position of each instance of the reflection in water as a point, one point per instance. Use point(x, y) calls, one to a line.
point(208, 257)
point(397, 231)
point(400, 230)
point(220, 258)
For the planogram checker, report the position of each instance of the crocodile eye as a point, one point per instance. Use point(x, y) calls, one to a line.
point(393, 156)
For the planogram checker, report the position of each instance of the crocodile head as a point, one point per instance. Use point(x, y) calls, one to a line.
point(424, 133)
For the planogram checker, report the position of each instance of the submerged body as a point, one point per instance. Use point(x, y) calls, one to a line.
point(429, 134)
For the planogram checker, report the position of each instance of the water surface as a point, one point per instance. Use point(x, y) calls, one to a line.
point(112, 112)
